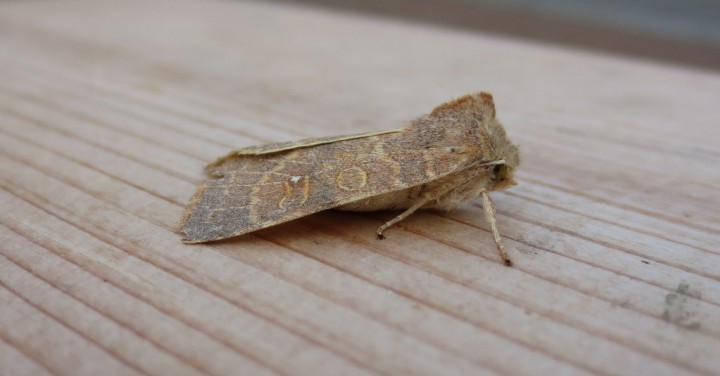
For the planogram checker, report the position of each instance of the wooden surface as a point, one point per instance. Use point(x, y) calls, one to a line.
point(109, 110)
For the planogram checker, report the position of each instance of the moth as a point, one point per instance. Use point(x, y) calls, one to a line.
point(457, 152)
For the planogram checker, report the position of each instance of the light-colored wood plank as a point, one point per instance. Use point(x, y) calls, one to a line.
point(114, 338)
point(14, 362)
point(181, 341)
point(51, 342)
point(103, 136)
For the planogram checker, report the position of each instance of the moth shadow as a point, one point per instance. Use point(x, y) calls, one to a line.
point(369, 222)
point(307, 227)
point(342, 230)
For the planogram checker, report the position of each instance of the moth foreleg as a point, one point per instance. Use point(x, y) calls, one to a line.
point(490, 217)
point(433, 194)
point(402, 216)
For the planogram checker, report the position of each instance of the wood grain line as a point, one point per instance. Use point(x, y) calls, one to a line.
point(108, 350)
point(131, 164)
point(704, 244)
point(78, 301)
point(649, 256)
point(49, 104)
point(72, 330)
point(107, 144)
point(7, 341)
point(29, 68)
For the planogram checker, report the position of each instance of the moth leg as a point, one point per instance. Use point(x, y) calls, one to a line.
point(400, 217)
point(490, 217)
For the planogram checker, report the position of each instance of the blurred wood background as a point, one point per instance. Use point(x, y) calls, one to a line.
point(682, 32)
point(109, 111)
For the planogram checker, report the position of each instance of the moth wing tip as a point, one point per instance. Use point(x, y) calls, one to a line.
point(179, 226)
point(180, 229)
point(212, 166)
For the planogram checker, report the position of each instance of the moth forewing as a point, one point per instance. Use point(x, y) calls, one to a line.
point(286, 146)
point(436, 161)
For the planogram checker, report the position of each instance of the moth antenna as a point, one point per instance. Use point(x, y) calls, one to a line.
point(493, 163)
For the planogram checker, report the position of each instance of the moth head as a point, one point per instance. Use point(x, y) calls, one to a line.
point(474, 119)
point(502, 177)
point(502, 174)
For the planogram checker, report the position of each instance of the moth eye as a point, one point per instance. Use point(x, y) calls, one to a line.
point(500, 172)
